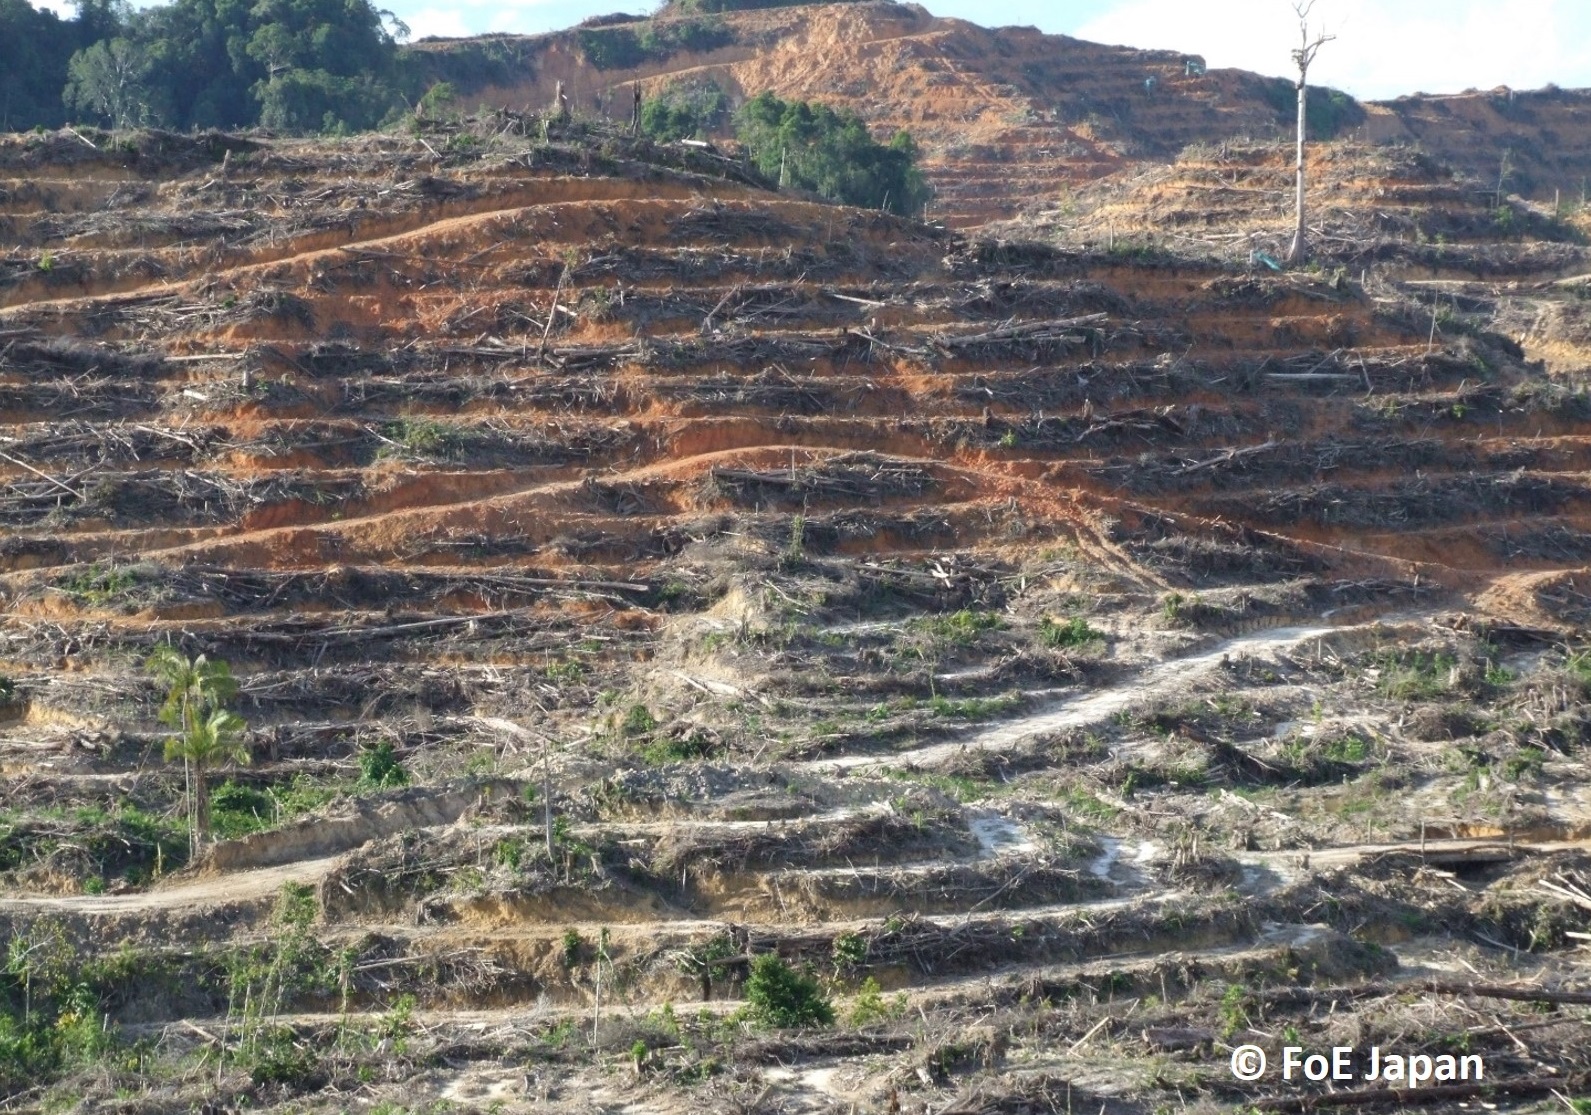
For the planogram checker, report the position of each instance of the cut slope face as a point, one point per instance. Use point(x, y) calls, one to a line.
point(738, 575)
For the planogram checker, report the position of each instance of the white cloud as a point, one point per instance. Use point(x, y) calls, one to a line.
point(446, 23)
point(474, 17)
point(1383, 49)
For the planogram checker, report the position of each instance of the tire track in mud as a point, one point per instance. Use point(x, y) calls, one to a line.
point(188, 894)
point(996, 835)
point(1085, 710)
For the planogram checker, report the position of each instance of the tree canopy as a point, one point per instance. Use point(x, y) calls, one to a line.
point(830, 152)
point(293, 65)
point(35, 49)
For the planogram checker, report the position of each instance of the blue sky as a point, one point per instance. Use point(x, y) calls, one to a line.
point(1384, 47)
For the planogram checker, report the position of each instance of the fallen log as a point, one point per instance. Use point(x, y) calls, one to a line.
point(1518, 993)
point(1060, 329)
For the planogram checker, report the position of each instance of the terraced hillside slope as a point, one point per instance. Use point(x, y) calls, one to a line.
point(1479, 257)
point(704, 650)
point(1006, 116)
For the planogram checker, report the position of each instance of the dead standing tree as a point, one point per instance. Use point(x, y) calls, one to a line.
point(1303, 57)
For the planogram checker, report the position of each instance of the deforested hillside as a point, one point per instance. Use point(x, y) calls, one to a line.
point(1007, 117)
point(1003, 115)
point(702, 649)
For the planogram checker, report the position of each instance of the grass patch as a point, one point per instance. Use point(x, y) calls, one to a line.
point(955, 786)
point(1080, 801)
point(691, 748)
point(98, 585)
point(239, 810)
point(1413, 675)
point(958, 628)
point(92, 843)
point(1067, 634)
point(973, 708)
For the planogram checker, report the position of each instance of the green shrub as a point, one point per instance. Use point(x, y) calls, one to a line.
point(611, 48)
point(870, 1006)
point(51, 1016)
point(379, 766)
point(849, 951)
point(419, 436)
point(621, 48)
point(638, 721)
point(1327, 112)
point(574, 947)
point(438, 99)
point(509, 853)
point(1074, 632)
point(96, 845)
point(1173, 607)
point(1577, 664)
point(98, 585)
point(669, 750)
point(661, 38)
point(959, 628)
point(778, 995)
point(239, 810)
point(305, 795)
point(278, 1058)
point(685, 110)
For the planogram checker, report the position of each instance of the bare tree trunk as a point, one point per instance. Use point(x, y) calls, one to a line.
point(1300, 248)
point(546, 793)
point(201, 807)
point(187, 794)
point(1302, 58)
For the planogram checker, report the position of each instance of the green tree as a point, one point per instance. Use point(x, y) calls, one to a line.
point(327, 63)
point(299, 65)
point(316, 101)
point(206, 734)
point(214, 741)
point(194, 686)
point(111, 79)
point(816, 148)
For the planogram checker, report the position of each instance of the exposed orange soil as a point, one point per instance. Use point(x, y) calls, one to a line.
point(1190, 365)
